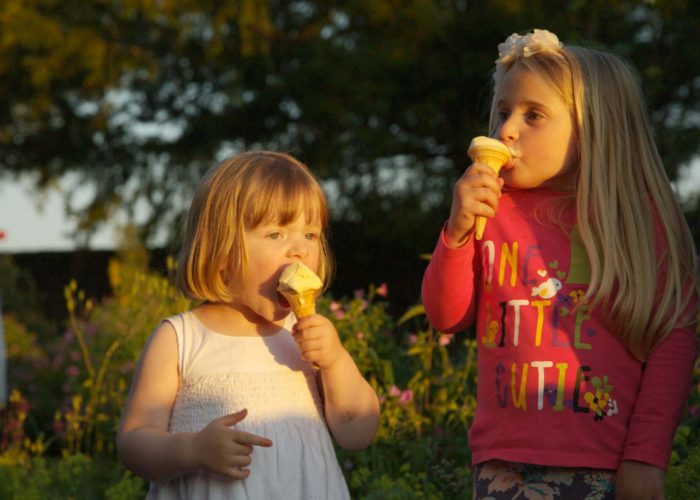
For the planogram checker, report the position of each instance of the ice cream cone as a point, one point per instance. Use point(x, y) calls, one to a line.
point(303, 304)
point(300, 286)
point(493, 153)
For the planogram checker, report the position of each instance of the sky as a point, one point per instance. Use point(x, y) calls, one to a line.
point(31, 223)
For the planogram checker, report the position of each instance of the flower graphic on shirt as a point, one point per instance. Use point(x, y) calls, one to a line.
point(599, 401)
point(577, 296)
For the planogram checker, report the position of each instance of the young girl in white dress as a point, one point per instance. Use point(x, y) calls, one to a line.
point(235, 398)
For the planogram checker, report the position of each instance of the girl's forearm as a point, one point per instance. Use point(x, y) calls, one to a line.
point(156, 455)
point(351, 405)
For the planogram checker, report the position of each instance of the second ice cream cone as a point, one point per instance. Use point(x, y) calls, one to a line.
point(493, 153)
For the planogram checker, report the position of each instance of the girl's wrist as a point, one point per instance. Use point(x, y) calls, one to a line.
point(189, 450)
point(452, 240)
point(336, 363)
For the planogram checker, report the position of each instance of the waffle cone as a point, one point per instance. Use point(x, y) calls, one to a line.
point(494, 157)
point(303, 304)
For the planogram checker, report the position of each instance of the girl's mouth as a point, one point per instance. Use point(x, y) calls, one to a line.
point(282, 301)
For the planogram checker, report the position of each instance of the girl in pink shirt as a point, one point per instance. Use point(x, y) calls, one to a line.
point(582, 289)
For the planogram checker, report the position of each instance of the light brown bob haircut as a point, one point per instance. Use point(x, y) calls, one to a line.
point(239, 194)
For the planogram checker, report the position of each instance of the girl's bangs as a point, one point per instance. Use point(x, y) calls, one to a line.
point(284, 202)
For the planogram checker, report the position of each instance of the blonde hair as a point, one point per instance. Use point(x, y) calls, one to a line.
point(622, 196)
point(239, 194)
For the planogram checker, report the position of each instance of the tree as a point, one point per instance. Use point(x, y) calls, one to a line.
point(137, 98)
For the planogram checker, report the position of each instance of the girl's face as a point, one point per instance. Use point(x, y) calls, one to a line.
point(271, 247)
point(536, 124)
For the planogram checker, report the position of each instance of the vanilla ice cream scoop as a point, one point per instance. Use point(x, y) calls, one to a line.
point(300, 286)
point(493, 153)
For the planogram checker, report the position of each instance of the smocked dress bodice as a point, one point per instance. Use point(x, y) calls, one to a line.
point(223, 374)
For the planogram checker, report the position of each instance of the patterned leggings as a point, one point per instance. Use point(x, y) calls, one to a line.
point(498, 480)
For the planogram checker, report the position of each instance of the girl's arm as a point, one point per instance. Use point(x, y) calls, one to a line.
point(350, 403)
point(448, 286)
point(448, 283)
point(661, 399)
point(143, 441)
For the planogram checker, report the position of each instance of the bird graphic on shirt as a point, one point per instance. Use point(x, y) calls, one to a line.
point(547, 289)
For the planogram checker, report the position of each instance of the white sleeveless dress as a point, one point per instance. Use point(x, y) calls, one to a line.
point(221, 374)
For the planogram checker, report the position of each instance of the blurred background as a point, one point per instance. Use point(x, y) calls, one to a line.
point(111, 111)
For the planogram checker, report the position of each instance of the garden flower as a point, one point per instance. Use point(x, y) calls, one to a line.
point(406, 397)
point(445, 339)
point(394, 391)
point(382, 290)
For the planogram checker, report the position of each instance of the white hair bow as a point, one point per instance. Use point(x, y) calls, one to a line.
point(517, 46)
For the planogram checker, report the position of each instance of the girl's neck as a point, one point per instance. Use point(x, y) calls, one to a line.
point(234, 320)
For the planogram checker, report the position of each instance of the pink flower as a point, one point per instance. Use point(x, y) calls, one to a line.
point(359, 293)
point(360, 335)
point(59, 427)
point(383, 290)
point(412, 338)
point(363, 305)
point(72, 371)
point(394, 391)
point(334, 306)
point(406, 397)
point(445, 339)
point(56, 362)
point(340, 314)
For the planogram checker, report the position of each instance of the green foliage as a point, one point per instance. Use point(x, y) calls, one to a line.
point(683, 479)
point(72, 477)
point(110, 337)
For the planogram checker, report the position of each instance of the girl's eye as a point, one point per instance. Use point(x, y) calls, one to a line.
point(275, 236)
point(311, 236)
point(502, 116)
point(533, 116)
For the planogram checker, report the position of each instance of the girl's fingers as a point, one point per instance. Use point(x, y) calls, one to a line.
point(235, 472)
point(233, 418)
point(248, 440)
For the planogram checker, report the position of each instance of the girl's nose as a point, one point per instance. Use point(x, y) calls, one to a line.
point(298, 248)
point(508, 131)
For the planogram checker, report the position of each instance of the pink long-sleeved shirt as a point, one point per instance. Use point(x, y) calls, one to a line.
point(555, 387)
